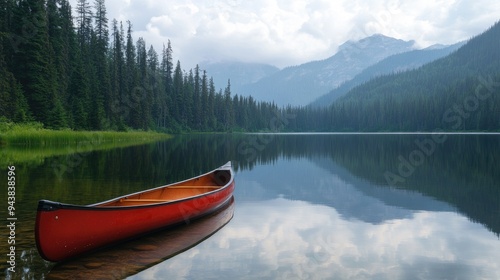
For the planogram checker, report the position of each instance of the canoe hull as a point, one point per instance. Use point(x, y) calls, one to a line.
point(64, 231)
point(130, 258)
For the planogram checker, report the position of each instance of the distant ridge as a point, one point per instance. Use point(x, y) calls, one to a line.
point(392, 64)
point(302, 84)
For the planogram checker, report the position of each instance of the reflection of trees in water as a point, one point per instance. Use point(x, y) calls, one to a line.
point(460, 171)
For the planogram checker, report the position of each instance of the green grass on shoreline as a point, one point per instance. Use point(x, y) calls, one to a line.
point(33, 134)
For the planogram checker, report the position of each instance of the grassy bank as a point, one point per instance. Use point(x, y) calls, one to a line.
point(33, 134)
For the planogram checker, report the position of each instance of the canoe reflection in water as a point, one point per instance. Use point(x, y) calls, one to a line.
point(135, 256)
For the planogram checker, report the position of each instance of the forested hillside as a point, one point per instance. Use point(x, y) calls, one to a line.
point(86, 73)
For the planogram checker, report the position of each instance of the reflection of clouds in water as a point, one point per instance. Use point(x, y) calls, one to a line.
point(283, 239)
point(324, 182)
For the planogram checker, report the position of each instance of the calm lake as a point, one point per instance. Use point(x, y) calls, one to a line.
point(306, 206)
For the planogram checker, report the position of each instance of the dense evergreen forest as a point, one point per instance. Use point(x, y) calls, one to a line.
point(85, 73)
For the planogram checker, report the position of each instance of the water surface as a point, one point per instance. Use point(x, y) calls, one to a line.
point(327, 206)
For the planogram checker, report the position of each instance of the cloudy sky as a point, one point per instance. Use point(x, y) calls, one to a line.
point(290, 32)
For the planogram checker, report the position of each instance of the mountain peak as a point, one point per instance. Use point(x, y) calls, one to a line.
point(299, 85)
point(376, 41)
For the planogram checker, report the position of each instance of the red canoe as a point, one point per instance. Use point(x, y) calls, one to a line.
point(130, 258)
point(63, 231)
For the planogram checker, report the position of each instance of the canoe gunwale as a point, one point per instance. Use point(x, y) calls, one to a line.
point(48, 205)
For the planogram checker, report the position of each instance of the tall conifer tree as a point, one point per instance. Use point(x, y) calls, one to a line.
point(34, 65)
point(13, 105)
point(102, 93)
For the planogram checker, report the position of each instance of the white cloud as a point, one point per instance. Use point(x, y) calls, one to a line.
point(291, 32)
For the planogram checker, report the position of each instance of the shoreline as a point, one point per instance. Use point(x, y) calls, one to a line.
point(36, 135)
point(383, 133)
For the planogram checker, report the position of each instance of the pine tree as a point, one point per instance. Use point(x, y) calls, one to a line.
point(141, 111)
point(115, 112)
point(101, 24)
point(8, 40)
point(187, 101)
point(211, 117)
point(13, 105)
point(84, 23)
point(158, 96)
point(34, 66)
point(63, 45)
point(177, 93)
point(83, 101)
point(204, 102)
point(79, 93)
point(102, 93)
point(167, 78)
point(228, 120)
point(197, 112)
point(133, 92)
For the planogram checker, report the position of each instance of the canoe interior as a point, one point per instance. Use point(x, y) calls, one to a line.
point(197, 186)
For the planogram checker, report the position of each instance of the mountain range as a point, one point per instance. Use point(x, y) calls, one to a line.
point(354, 63)
point(458, 92)
point(392, 64)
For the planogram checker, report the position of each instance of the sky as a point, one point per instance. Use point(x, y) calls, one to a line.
point(290, 32)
